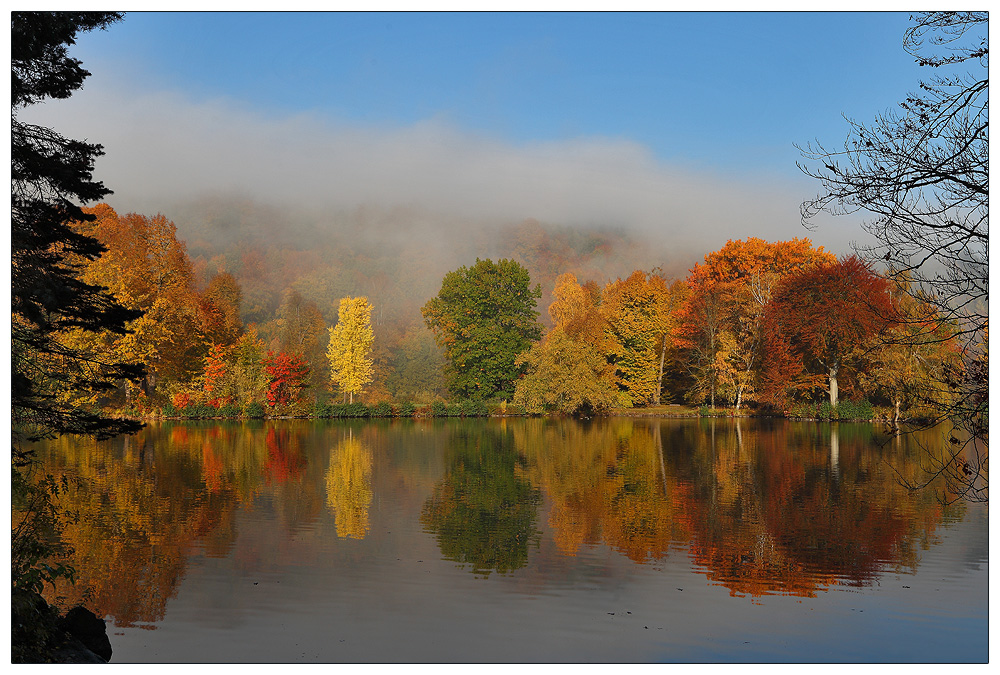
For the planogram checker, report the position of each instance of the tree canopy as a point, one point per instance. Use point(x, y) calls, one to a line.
point(483, 317)
point(350, 346)
point(821, 320)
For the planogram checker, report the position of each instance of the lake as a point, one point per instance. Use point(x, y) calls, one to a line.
point(524, 540)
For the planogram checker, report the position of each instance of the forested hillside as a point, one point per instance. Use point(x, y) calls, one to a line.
point(290, 270)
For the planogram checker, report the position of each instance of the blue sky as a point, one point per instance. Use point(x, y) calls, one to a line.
point(731, 91)
point(673, 123)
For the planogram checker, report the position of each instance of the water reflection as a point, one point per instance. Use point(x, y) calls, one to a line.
point(607, 483)
point(759, 507)
point(483, 511)
point(132, 520)
point(784, 508)
point(349, 486)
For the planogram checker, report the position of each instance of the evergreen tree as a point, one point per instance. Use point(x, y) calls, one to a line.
point(51, 176)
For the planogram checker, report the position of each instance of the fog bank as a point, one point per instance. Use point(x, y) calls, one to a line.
point(164, 151)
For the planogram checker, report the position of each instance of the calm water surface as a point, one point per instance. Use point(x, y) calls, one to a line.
point(520, 540)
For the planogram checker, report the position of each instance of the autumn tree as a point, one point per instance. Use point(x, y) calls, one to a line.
point(568, 370)
point(483, 317)
point(300, 329)
point(350, 346)
point(820, 321)
point(700, 322)
point(214, 375)
point(637, 312)
point(720, 324)
point(147, 269)
point(51, 176)
point(288, 375)
point(220, 310)
point(565, 375)
point(917, 357)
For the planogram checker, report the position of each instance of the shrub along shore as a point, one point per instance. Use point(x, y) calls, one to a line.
point(847, 410)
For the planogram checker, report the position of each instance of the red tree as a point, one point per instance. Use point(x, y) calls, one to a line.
point(819, 321)
point(289, 375)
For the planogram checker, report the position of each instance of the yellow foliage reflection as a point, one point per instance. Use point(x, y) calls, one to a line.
point(607, 484)
point(349, 487)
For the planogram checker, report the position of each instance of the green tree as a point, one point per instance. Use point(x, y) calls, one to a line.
point(416, 366)
point(483, 317)
point(350, 346)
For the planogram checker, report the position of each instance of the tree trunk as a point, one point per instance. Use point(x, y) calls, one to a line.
point(352, 397)
point(663, 356)
point(834, 369)
point(739, 398)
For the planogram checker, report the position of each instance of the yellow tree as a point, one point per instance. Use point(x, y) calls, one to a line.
point(637, 311)
point(350, 346)
point(568, 370)
point(566, 375)
point(915, 359)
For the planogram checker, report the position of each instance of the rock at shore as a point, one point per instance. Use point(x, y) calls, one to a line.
point(40, 635)
point(84, 625)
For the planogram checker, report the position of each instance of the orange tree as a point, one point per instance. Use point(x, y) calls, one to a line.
point(719, 326)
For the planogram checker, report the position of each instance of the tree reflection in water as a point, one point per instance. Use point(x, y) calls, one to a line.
point(771, 508)
point(607, 483)
point(132, 519)
point(349, 486)
point(483, 511)
point(760, 507)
